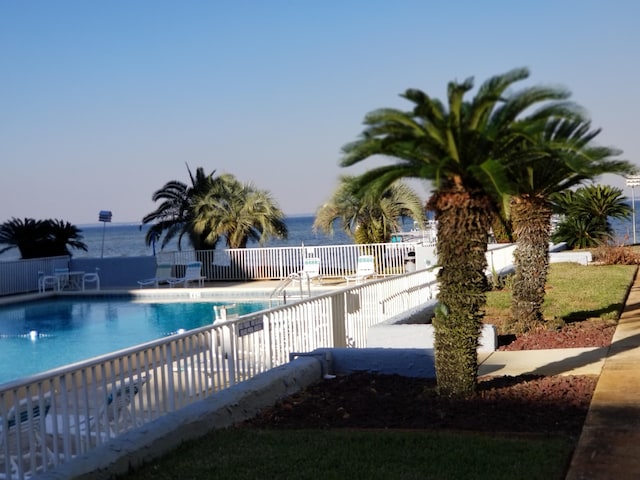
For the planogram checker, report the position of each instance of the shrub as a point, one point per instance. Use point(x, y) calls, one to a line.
point(616, 255)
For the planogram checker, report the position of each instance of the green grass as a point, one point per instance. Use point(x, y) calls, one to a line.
point(574, 292)
point(240, 454)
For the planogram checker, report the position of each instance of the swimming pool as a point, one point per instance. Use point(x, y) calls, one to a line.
point(43, 334)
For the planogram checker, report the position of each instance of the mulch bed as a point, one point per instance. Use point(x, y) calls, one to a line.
point(515, 405)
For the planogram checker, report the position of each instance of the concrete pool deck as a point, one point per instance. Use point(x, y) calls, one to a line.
point(233, 289)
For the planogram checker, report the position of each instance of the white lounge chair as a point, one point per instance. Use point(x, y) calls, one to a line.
point(163, 275)
point(311, 269)
point(310, 272)
point(193, 273)
point(27, 419)
point(366, 269)
point(116, 416)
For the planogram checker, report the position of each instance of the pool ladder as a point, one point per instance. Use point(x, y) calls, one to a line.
point(281, 290)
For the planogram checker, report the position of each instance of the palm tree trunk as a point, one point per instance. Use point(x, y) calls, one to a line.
point(463, 225)
point(531, 222)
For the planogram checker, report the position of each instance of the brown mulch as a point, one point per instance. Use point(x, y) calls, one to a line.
point(516, 405)
point(587, 333)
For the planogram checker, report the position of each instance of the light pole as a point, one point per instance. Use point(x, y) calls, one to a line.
point(104, 216)
point(633, 181)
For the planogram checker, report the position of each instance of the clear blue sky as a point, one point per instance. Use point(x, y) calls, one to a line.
point(101, 103)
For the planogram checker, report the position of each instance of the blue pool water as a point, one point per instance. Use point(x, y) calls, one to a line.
point(71, 330)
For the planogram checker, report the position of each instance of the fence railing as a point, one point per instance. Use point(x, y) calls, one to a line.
point(279, 262)
point(54, 416)
point(21, 276)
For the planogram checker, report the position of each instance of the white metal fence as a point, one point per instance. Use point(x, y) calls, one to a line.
point(21, 276)
point(279, 262)
point(52, 417)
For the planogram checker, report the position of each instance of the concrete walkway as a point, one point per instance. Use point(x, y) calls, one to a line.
point(609, 446)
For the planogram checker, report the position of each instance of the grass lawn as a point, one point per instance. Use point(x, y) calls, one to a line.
point(574, 292)
point(241, 454)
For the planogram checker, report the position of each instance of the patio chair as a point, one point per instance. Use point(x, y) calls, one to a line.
point(91, 277)
point(46, 281)
point(115, 415)
point(366, 269)
point(191, 274)
point(22, 424)
point(310, 270)
point(163, 275)
point(62, 274)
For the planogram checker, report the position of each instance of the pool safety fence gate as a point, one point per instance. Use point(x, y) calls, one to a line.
point(52, 417)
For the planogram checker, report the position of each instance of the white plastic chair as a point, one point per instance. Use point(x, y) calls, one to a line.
point(115, 415)
point(16, 428)
point(91, 277)
point(46, 281)
point(311, 269)
point(62, 274)
point(366, 269)
point(163, 275)
point(191, 274)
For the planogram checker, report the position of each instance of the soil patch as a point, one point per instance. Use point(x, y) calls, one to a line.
point(514, 405)
point(587, 333)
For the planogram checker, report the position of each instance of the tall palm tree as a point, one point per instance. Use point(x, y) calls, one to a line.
point(174, 215)
point(461, 148)
point(369, 218)
point(40, 238)
point(563, 158)
point(238, 212)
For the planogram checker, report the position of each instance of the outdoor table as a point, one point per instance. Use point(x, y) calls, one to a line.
point(74, 280)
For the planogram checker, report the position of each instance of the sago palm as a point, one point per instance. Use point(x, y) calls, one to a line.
point(586, 213)
point(562, 157)
point(461, 148)
point(40, 238)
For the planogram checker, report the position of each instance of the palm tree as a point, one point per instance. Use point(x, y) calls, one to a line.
point(40, 238)
point(462, 150)
point(173, 216)
point(63, 235)
point(564, 157)
point(580, 232)
point(238, 212)
point(369, 218)
point(586, 212)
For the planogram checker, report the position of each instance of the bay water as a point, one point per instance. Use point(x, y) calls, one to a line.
point(128, 239)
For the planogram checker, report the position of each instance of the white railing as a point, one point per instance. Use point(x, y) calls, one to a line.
point(21, 276)
point(280, 262)
point(70, 410)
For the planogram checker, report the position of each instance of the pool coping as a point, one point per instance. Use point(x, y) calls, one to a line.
point(241, 290)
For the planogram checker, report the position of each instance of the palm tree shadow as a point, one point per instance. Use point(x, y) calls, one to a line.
point(614, 308)
point(580, 359)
